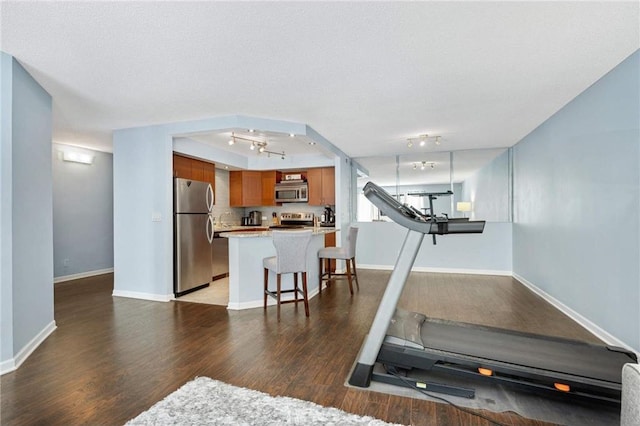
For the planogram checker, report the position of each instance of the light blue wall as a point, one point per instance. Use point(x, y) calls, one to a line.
point(143, 252)
point(488, 191)
point(6, 218)
point(27, 197)
point(82, 213)
point(576, 204)
point(488, 253)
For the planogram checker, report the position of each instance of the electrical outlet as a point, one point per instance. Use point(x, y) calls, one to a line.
point(65, 262)
point(156, 217)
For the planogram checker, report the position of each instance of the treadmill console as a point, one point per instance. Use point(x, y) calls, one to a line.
point(413, 219)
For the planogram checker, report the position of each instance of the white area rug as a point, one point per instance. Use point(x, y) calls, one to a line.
point(204, 401)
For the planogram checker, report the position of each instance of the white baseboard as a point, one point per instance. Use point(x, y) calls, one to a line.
point(7, 366)
point(600, 333)
point(15, 362)
point(64, 278)
point(143, 296)
point(260, 303)
point(440, 270)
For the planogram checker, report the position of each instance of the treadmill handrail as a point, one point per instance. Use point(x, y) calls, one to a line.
point(408, 217)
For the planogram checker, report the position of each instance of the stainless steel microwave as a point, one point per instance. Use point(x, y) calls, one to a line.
point(288, 192)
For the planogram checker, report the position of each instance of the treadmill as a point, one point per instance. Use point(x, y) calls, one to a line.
point(402, 341)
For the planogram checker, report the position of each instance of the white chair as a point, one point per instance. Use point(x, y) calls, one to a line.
point(291, 257)
point(346, 253)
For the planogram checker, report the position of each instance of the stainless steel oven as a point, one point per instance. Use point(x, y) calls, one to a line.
point(292, 192)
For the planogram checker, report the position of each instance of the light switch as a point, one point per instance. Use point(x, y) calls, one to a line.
point(156, 217)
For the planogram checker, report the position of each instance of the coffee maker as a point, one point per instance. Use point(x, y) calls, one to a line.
point(328, 217)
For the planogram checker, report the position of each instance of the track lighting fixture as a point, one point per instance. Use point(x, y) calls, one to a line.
point(423, 139)
point(424, 164)
point(255, 143)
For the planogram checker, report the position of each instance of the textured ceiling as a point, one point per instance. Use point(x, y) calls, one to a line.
point(365, 75)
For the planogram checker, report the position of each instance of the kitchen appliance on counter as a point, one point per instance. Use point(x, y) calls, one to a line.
point(193, 234)
point(292, 177)
point(294, 220)
point(255, 218)
point(328, 217)
point(292, 191)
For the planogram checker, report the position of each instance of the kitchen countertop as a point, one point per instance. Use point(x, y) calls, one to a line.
point(243, 232)
point(233, 228)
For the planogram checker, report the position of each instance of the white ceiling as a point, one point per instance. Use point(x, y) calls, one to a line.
point(365, 75)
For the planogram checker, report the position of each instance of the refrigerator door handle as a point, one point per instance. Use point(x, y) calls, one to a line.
point(210, 229)
point(209, 197)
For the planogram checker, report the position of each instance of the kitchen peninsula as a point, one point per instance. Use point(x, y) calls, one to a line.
point(246, 280)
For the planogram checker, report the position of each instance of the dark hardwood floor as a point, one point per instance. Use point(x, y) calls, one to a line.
point(112, 358)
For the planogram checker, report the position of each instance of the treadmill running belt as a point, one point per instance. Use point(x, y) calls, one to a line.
point(534, 351)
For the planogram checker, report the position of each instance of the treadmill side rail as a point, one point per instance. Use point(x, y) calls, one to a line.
point(387, 307)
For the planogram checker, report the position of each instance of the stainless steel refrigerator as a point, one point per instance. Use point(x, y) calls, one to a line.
point(193, 234)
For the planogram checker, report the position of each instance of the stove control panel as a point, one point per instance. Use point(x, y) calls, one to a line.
point(297, 217)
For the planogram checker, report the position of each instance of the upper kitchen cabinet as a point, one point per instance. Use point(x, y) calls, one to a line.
point(245, 188)
point(181, 167)
point(191, 168)
point(269, 179)
point(209, 174)
point(322, 182)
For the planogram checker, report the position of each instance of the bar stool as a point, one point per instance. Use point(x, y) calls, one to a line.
point(291, 257)
point(346, 253)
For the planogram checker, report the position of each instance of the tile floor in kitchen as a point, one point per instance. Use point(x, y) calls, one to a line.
point(216, 294)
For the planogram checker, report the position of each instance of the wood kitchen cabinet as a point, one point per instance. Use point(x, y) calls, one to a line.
point(269, 179)
point(192, 168)
point(322, 182)
point(330, 241)
point(245, 188)
point(181, 167)
point(209, 174)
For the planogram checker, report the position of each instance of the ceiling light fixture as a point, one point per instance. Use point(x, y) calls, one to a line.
point(423, 139)
point(424, 164)
point(255, 143)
